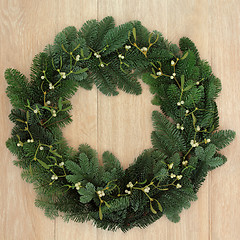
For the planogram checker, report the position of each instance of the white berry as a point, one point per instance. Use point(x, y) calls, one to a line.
point(184, 163)
point(178, 185)
point(144, 49)
point(63, 74)
point(179, 177)
point(146, 189)
point(78, 185)
point(172, 175)
point(170, 166)
point(129, 185)
point(77, 58)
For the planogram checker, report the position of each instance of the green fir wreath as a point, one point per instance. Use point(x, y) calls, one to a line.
point(162, 180)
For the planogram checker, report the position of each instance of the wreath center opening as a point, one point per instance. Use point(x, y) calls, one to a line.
point(112, 123)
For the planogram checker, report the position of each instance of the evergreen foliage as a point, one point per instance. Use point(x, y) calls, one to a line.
point(162, 180)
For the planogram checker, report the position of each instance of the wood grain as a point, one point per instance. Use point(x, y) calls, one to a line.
point(122, 124)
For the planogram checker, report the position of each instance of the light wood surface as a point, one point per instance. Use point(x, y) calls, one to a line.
point(122, 124)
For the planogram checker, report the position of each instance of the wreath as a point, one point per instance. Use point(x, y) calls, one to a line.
point(162, 180)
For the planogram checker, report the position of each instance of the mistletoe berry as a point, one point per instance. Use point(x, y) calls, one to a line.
point(172, 175)
point(144, 49)
point(77, 58)
point(130, 185)
point(179, 177)
point(61, 164)
point(54, 177)
point(78, 185)
point(146, 189)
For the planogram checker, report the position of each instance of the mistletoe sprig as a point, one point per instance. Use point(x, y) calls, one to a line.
point(185, 142)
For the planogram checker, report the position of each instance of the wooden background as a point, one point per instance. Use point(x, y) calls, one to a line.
point(122, 124)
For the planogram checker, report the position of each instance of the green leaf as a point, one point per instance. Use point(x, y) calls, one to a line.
point(182, 81)
point(47, 108)
point(152, 209)
point(159, 205)
point(55, 153)
point(188, 87)
point(43, 164)
point(27, 116)
point(67, 108)
point(154, 76)
point(143, 182)
point(134, 34)
point(60, 103)
point(100, 213)
point(82, 70)
point(184, 56)
point(53, 158)
point(82, 52)
point(194, 119)
point(107, 204)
